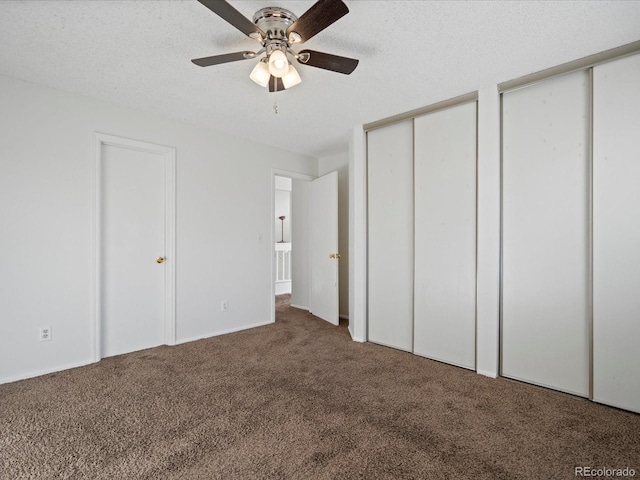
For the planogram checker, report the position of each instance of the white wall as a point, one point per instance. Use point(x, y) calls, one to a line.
point(300, 270)
point(283, 183)
point(46, 157)
point(282, 208)
point(282, 228)
point(340, 163)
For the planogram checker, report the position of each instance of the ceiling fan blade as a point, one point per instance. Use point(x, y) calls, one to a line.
point(328, 61)
point(225, 58)
point(275, 84)
point(321, 14)
point(225, 11)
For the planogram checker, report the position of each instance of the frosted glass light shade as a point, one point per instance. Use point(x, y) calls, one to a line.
point(278, 64)
point(291, 79)
point(260, 74)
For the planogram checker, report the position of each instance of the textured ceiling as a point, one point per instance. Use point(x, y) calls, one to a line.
point(412, 53)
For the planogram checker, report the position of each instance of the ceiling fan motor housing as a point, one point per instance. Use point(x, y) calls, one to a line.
point(274, 21)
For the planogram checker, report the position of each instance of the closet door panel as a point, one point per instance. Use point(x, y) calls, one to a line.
point(445, 235)
point(390, 235)
point(545, 219)
point(616, 233)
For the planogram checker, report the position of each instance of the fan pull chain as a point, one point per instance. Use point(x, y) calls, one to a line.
point(275, 104)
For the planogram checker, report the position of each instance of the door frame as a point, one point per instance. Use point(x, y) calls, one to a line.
point(276, 172)
point(169, 156)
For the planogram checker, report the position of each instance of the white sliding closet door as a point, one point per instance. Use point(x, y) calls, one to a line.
point(445, 235)
point(390, 235)
point(545, 198)
point(616, 233)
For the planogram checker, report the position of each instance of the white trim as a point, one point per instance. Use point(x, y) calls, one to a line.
point(573, 66)
point(170, 244)
point(418, 112)
point(358, 273)
point(223, 332)
point(169, 153)
point(296, 176)
point(46, 371)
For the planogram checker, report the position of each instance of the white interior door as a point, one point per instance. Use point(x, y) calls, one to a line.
point(616, 233)
point(133, 237)
point(445, 235)
point(323, 212)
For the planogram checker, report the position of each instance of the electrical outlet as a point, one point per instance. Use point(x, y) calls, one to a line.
point(224, 305)
point(45, 334)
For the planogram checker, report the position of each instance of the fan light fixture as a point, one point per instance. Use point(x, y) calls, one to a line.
point(260, 74)
point(263, 70)
point(292, 78)
point(278, 64)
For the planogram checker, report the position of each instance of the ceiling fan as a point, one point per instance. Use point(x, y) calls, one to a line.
point(278, 29)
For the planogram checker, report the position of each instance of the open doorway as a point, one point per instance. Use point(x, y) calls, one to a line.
point(290, 240)
point(305, 256)
point(283, 244)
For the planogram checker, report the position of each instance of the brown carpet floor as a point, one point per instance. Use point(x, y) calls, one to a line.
point(299, 399)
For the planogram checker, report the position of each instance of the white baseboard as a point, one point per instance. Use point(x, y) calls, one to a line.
point(222, 332)
point(486, 373)
point(47, 371)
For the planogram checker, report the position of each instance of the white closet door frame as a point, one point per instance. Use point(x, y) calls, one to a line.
point(446, 235)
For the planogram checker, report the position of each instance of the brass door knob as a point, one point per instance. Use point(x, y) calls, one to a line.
point(160, 259)
point(334, 255)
